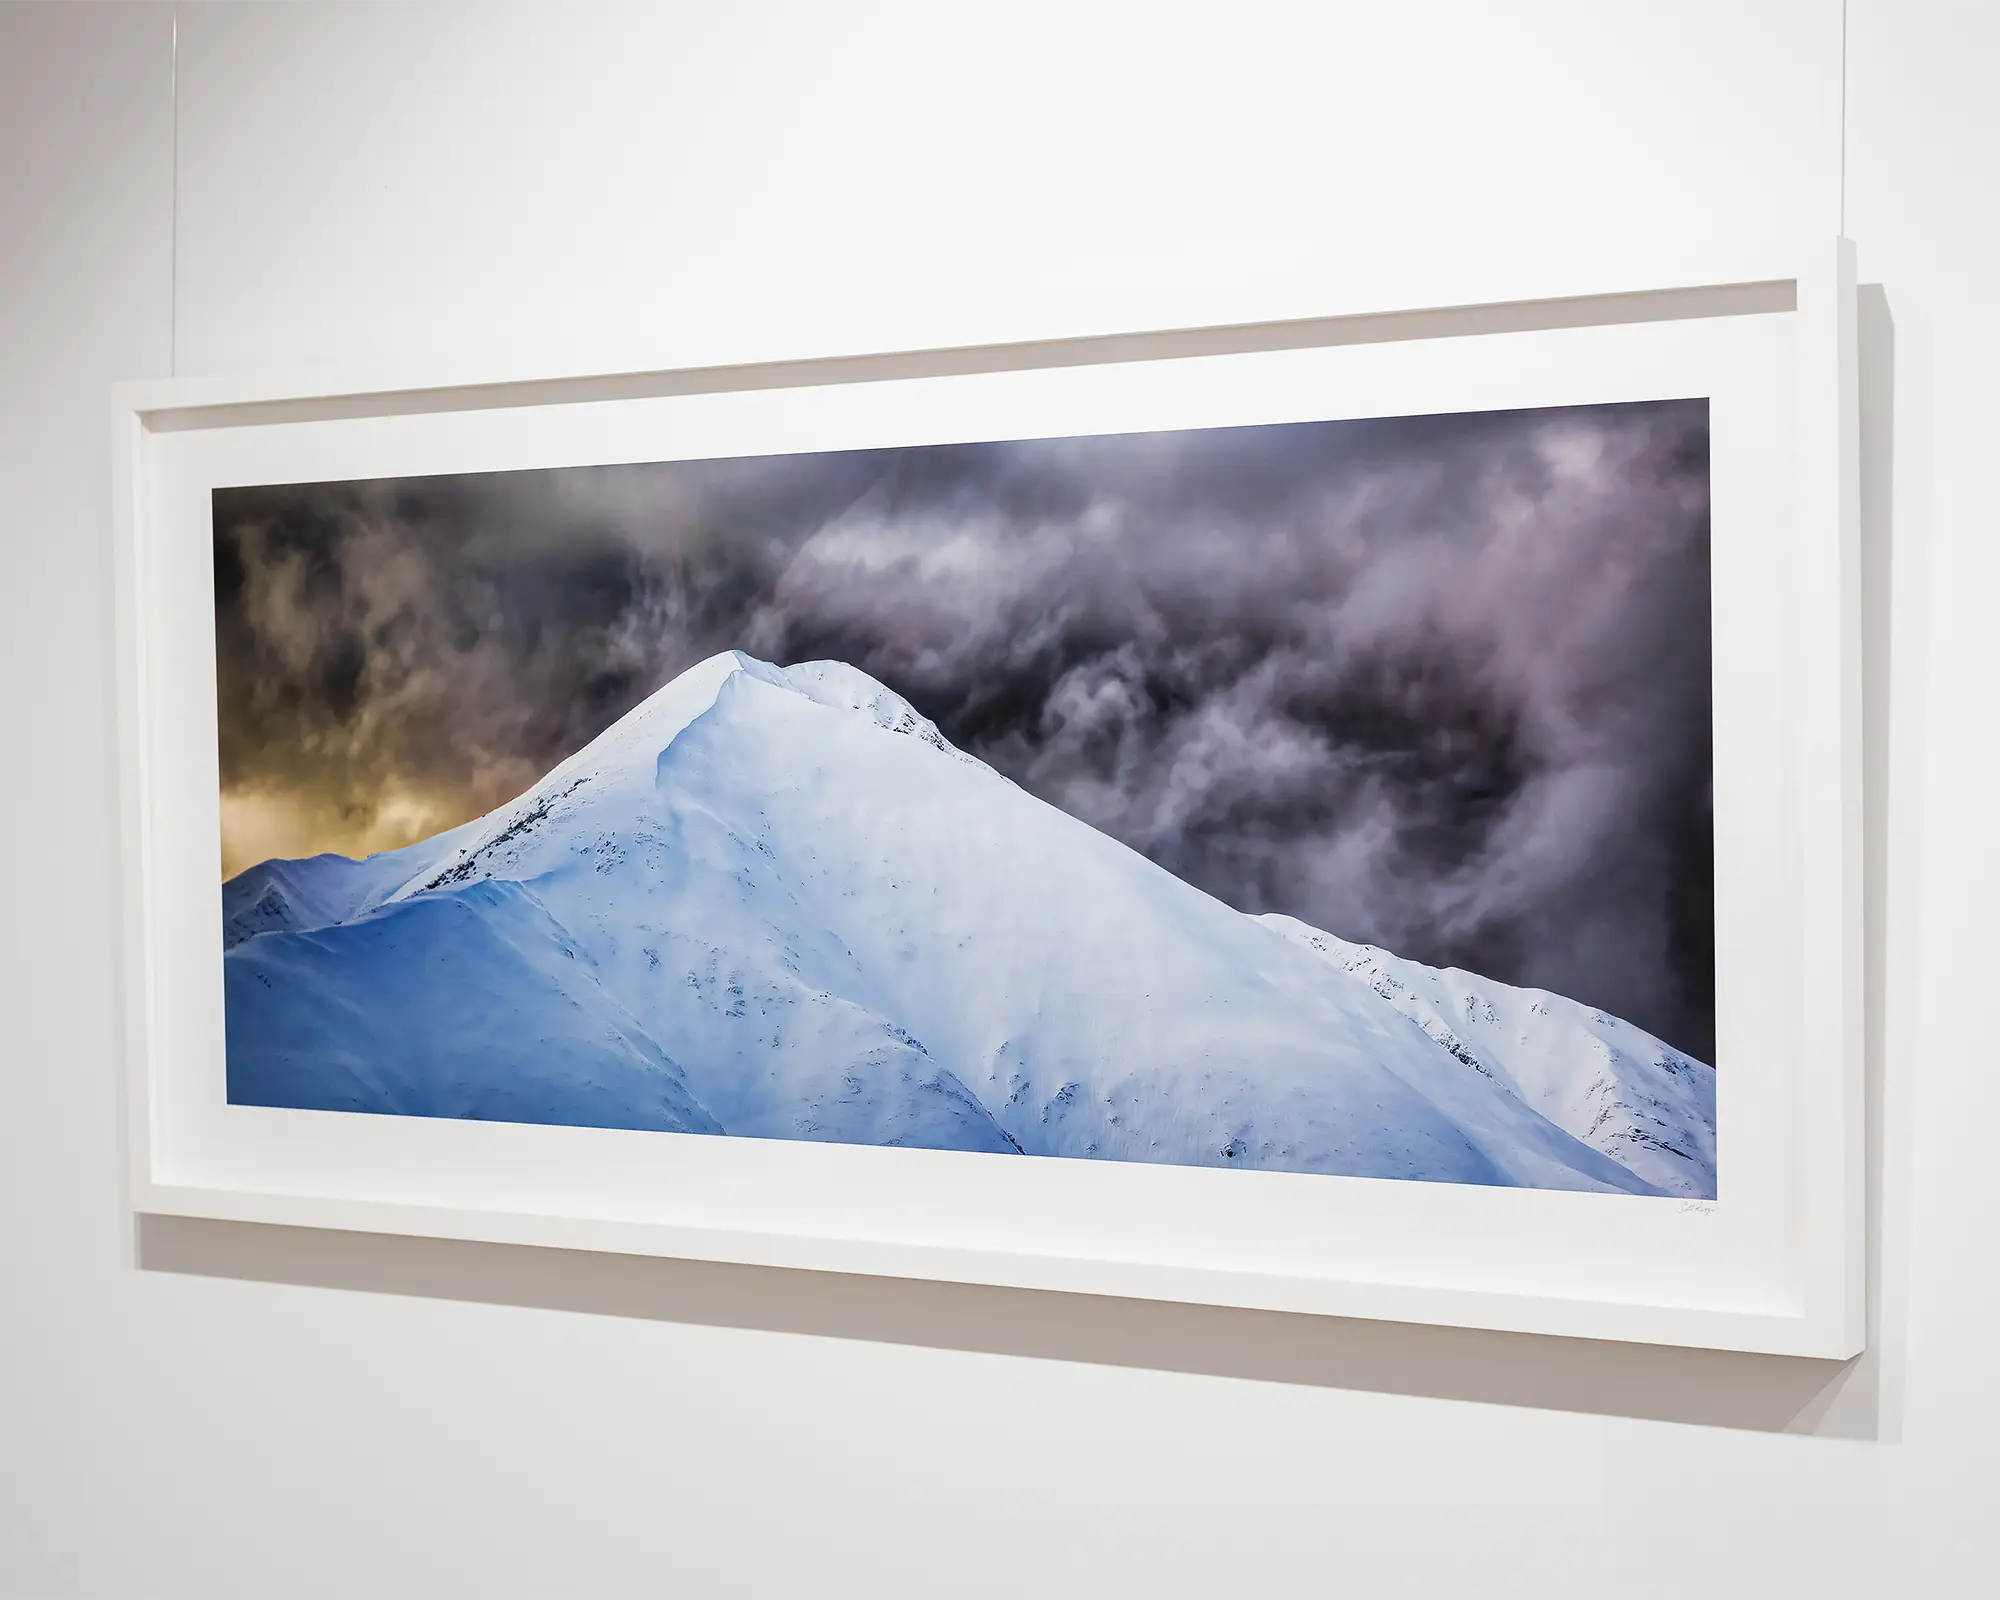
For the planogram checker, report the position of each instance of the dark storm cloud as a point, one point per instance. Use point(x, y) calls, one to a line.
point(1437, 683)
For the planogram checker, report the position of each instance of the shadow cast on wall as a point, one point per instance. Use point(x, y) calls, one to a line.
point(1859, 1398)
point(1714, 1387)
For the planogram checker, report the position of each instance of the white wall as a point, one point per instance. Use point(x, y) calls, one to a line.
point(204, 1409)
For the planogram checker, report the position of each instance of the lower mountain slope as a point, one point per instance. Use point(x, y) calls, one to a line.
point(1610, 1084)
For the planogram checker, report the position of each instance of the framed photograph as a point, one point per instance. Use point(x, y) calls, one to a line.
point(1355, 817)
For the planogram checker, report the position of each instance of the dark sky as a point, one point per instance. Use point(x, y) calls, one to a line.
point(1436, 683)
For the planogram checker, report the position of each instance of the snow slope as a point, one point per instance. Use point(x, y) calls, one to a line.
point(777, 902)
point(1615, 1087)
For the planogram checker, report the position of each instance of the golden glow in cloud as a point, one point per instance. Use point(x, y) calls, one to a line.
point(262, 824)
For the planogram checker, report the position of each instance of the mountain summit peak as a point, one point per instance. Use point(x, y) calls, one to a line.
point(664, 714)
point(841, 687)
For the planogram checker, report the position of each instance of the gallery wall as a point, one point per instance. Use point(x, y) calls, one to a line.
point(210, 1410)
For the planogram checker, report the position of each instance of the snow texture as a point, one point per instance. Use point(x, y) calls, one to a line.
point(777, 902)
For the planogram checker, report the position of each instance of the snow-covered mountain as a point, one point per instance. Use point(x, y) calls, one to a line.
point(777, 902)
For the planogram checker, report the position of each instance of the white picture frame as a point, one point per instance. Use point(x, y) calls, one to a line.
point(1774, 1264)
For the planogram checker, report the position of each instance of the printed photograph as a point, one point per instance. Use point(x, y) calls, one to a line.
point(1322, 797)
